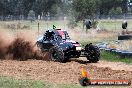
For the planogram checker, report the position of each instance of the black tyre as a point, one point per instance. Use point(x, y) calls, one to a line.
point(93, 53)
point(124, 37)
point(56, 54)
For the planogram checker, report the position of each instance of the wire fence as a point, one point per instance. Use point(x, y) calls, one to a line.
point(114, 24)
point(106, 22)
point(21, 17)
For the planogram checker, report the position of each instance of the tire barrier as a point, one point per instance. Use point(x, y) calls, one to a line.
point(124, 54)
point(121, 53)
point(118, 51)
point(124, 37)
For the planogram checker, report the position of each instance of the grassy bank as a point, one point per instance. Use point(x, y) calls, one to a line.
point(34, 25)
point(14, 83)
point(8, 82)
point(114, 57)
point(110, 24)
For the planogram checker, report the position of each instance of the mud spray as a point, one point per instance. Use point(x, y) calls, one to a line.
point(20, 46)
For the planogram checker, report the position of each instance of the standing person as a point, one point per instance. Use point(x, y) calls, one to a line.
point(88, 25)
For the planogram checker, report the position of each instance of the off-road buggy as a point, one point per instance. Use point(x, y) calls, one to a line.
point(61, 48)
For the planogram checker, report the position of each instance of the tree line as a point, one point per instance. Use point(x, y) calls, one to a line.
point(80, 9)
point(89, 8)
point(40, 7)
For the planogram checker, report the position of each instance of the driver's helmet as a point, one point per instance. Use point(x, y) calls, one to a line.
point(49, 34)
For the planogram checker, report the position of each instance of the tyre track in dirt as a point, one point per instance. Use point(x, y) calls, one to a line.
point(59, 73)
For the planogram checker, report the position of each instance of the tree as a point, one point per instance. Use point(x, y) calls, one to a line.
point(80, 9)
point(27, 6)
point(115, 11)
point(47, 6)
point(31, 15)
point(124, 6)
point(106, 5)
point(4, 7)
point(84, 9)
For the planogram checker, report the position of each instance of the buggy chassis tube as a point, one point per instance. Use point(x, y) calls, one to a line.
point(83, 53)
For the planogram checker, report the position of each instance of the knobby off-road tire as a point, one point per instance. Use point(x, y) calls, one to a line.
point(93, 53)
point(56, 54)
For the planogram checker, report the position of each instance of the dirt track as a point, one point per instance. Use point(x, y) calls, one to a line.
point(63, 73)
point(60, 73)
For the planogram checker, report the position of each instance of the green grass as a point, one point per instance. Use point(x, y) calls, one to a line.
point(103, 24)
point(8, 82)
point(114, 25)
point(114, 57)
point(14, 83)
point(111, 25)
point(42, 24)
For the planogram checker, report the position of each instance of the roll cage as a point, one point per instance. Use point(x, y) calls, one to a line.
point(54, 35)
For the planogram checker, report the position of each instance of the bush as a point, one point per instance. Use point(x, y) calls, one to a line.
point(31, 15)
point(72, 23)
point(94, 24)
point(115, 11)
